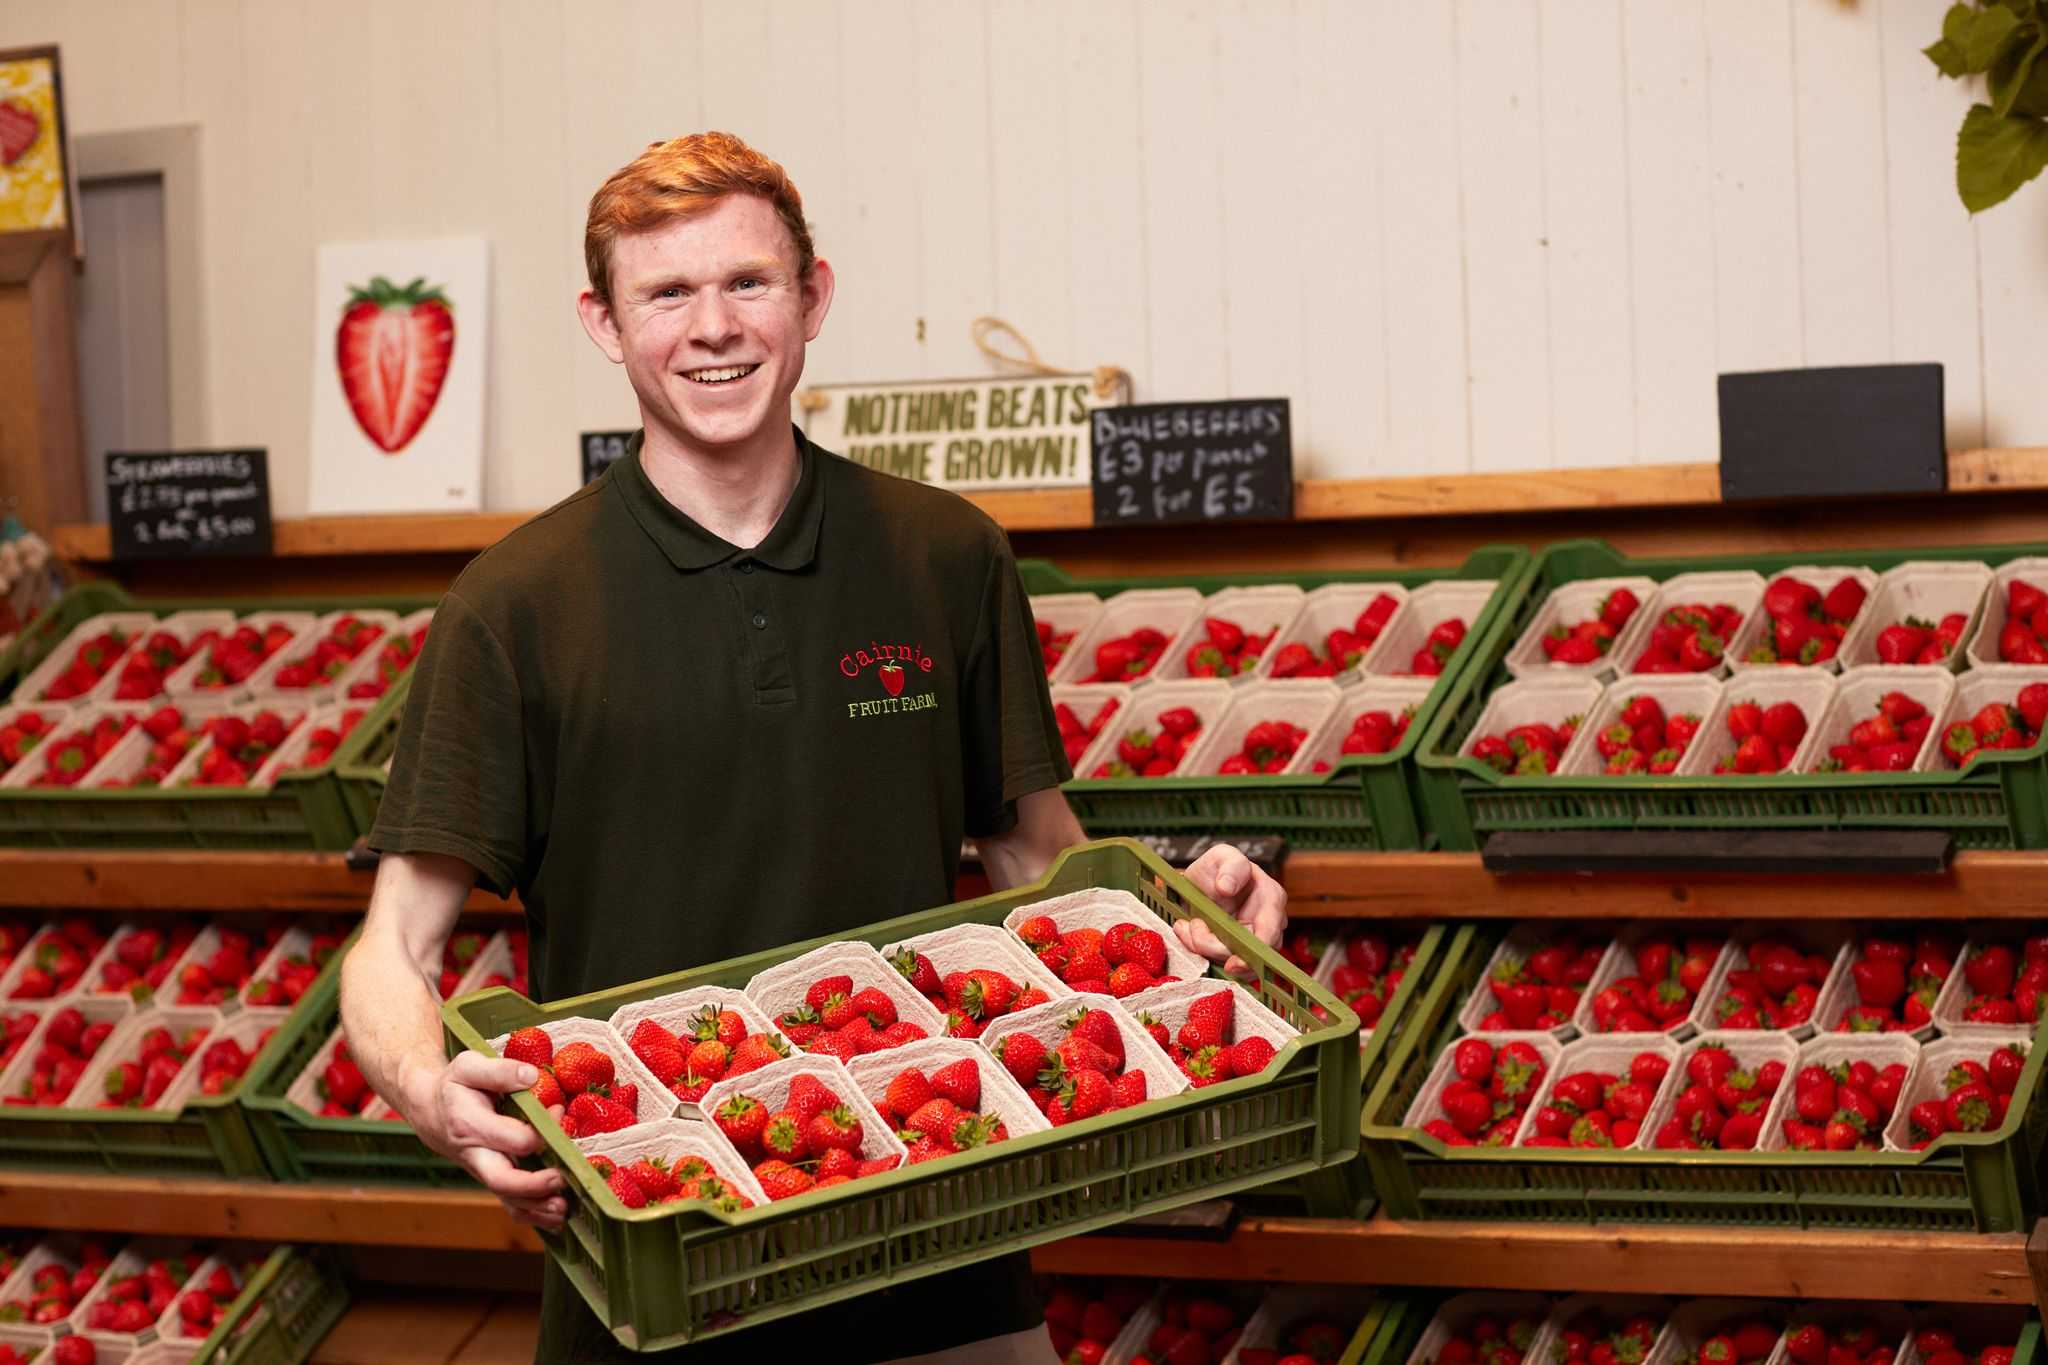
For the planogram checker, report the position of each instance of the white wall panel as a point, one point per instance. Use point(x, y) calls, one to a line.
point(1482, 234)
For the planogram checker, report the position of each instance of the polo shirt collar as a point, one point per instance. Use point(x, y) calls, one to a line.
point(790, 545)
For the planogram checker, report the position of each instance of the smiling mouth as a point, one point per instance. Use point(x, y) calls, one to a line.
point(723, 374)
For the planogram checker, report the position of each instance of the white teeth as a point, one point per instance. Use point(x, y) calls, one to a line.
point(720, 376)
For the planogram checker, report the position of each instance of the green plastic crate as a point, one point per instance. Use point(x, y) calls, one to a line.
point(303, 1148)
point(667, 1275)
point(290, 1303)
point(48, 630)
point(303, 810)
point(1392, 1326)
point(209, 1135)
point(1982, 1182)
point(1365, 801)
point(362, 768)
point(2001, 802)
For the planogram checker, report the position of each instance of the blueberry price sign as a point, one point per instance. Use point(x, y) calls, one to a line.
point(181, 503)
point(1227, 460)
point(600, 450)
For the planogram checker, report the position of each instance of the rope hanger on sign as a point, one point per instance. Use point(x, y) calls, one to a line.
point(1110, 380)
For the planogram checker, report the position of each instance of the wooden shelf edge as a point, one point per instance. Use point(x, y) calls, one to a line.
point(1624, 487)
point(381, 1215)
point(1320, 885)
point(1850, 1263)
point(185, 880)
point(1764, 1261)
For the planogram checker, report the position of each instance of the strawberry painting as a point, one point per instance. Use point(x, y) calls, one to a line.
point(393, 349)
point(19, 129)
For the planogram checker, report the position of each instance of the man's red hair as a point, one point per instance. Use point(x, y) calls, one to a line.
point(679, 179)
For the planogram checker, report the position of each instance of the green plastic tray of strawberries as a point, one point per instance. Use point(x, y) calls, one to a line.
point(669, 1274)
point(1366, 801)
point(1983, 1182)
point(284, 1311)
point(2001, 801)
point(303, 810)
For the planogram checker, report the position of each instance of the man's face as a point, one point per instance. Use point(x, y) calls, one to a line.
point(709, 317)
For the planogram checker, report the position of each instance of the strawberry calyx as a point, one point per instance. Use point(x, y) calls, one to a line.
point(384, 294)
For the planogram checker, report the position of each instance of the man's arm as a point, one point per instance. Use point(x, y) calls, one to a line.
point(1046, 826)
point(391, 1014)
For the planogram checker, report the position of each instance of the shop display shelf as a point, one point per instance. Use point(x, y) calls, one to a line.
point(301, 809)
point(1365, 801)
point(1983, 1182)
point(2001, 802)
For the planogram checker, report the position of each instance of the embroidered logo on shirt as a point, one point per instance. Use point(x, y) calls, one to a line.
point(893, 665)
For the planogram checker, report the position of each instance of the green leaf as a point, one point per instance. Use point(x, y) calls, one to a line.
point(1979, 36)
point(2009, 76)
point(1995, 156)
point(1946, 56)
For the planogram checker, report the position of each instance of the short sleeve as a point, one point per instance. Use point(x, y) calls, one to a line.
point(1010, 741)
point(458, 778)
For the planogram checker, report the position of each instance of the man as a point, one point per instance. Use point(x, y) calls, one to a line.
point(643, 709)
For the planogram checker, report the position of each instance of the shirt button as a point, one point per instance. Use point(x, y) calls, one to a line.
point(746, 566)
point(760, 620)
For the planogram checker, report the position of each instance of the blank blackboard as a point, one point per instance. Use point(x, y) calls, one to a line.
point(600, 450)
point(1851, 431)
point(1228, 460)
point(181, 503)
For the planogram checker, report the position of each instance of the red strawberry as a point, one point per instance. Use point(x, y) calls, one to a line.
point(959, 1082)
point(1023, 1056)
point(393, 347)
point(908, 1092)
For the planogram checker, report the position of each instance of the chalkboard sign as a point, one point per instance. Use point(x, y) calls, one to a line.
point(1229, 460)
point(1841, 432)
point(600, 450)
point(174, 504)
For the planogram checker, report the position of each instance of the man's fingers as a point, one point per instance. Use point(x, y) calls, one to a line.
point(1264, 911)
point(497, 1074)
point(1221, 874)
point(498, 1175)
point(1198, 937)
point(472, 1122)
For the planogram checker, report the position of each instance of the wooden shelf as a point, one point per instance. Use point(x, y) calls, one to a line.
point(1067, 509)
point(1945, 1267)
point(1320, 886)
point(1778, 1262)
point(385, 1215)
point(149, 880)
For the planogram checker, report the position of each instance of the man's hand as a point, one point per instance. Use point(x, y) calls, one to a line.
point(1237, 884)
point(454, 1113)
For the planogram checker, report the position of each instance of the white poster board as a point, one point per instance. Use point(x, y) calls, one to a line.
point(970, 435)
point(399, 338)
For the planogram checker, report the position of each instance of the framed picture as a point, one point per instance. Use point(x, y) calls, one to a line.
point(36, 191)
point(399, 337)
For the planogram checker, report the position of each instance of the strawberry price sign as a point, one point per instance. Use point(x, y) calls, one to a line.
point(192, 502)
point(968, 435)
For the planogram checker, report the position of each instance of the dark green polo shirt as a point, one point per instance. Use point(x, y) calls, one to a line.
point(679, 751)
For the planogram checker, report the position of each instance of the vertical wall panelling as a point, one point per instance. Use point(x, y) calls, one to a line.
point(955, 189)
point(1500, 161)
point(1844, 256)
point(1586, 219)
point(1265, 197)
point(1425, 290)
point(1102, 161)
point(1182, 175)
point(1029, 137)
point(1756, 194)
point(1342, 427)
point(1671, 232)
point(1931, 276)
point(1474, 234)
point(876, 240)
point(2013, 241)
point(536, 272)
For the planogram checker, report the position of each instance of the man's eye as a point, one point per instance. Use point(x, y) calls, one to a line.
point(672, 292)
point(750, 283)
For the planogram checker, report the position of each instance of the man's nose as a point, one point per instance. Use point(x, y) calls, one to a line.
point(712, 320)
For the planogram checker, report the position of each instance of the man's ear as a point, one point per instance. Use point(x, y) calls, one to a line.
point(817, 292)
point(602, 326)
